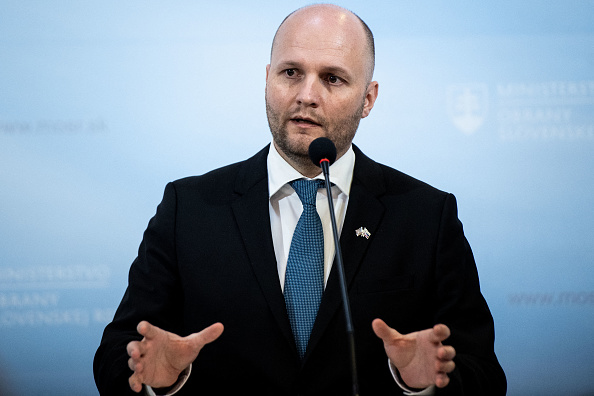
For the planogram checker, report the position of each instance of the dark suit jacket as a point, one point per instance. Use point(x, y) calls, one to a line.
point(207, 256)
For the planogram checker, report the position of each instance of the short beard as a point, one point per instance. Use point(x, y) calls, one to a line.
point(342, 135)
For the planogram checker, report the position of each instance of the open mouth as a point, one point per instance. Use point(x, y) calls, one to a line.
point(304, 121)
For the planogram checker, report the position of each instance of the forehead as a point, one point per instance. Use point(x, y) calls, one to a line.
point(325, 37)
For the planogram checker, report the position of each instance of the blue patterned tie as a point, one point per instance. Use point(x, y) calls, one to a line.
point(304, 278)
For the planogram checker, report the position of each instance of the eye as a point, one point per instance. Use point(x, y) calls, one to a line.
point(290, 72)
point(334, 80)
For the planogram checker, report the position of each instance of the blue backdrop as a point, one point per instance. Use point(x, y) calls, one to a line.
point(103, 103)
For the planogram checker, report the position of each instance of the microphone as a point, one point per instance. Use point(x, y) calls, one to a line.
point(322, 152)
point(322, 149)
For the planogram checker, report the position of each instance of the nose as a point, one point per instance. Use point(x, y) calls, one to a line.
point(309, 93)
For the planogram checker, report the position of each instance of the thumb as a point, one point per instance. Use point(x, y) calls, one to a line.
point(383, 331)
point(207, 335)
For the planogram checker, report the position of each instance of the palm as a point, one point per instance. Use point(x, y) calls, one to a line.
point(167, 355)
point(420, 357)
point(159, 358)
point(412, 354)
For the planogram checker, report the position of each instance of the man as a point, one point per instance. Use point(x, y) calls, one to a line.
point(204, 313)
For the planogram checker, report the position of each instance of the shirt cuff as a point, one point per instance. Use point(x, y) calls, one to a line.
point(181, 380)
point(430, 391)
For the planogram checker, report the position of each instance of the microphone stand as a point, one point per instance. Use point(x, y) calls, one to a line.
point(325, 165)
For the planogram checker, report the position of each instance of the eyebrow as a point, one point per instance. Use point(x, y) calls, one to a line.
point(338, 70)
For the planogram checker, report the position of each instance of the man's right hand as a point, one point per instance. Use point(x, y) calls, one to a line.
point(159, 358)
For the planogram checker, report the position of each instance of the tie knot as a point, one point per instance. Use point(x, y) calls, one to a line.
point(307, 190)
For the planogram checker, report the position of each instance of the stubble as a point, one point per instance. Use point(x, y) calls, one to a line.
point(341, 133)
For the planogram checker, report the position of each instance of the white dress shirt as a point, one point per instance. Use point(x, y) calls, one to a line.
point(285, 206)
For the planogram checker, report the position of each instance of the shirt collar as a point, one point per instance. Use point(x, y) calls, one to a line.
point(280, 172)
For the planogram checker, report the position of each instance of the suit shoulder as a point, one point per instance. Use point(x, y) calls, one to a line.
point(382, 179)
point(398, 182)
point(419, 197)
point(223, 175)
point(233, 177)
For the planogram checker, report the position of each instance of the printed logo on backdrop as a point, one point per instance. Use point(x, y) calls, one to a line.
point(53, 126)
point(549, 110)
point(577, 298)
point(467, 106)
point(47, 296)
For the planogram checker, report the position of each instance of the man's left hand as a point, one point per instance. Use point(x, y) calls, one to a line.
point(420, 357)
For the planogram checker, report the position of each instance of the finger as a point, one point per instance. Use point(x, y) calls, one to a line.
point(446, 352)
point(135, 365)
point(441, 332)
point(147, 330)
point(133, 349)
point(449, 367)
point(442, 380)
point(383, 331)
point(445, 367)
point(135, 383)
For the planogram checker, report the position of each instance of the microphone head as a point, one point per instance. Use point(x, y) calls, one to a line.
point(322, 149)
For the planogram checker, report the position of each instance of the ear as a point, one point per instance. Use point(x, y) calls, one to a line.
point(370, 97)
point(267, 71)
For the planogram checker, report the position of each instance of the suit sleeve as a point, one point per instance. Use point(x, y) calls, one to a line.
point(463, 309)
point(152, 295)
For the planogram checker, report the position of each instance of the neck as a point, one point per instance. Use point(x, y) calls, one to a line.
point(304, 166)
point(301, 164)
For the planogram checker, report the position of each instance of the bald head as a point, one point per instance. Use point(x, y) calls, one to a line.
point(331, 15)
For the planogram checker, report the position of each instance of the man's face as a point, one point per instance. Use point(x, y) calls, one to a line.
point(317, 84)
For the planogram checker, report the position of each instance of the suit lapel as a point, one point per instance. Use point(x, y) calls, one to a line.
point(253, 219)
point(364, 210)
